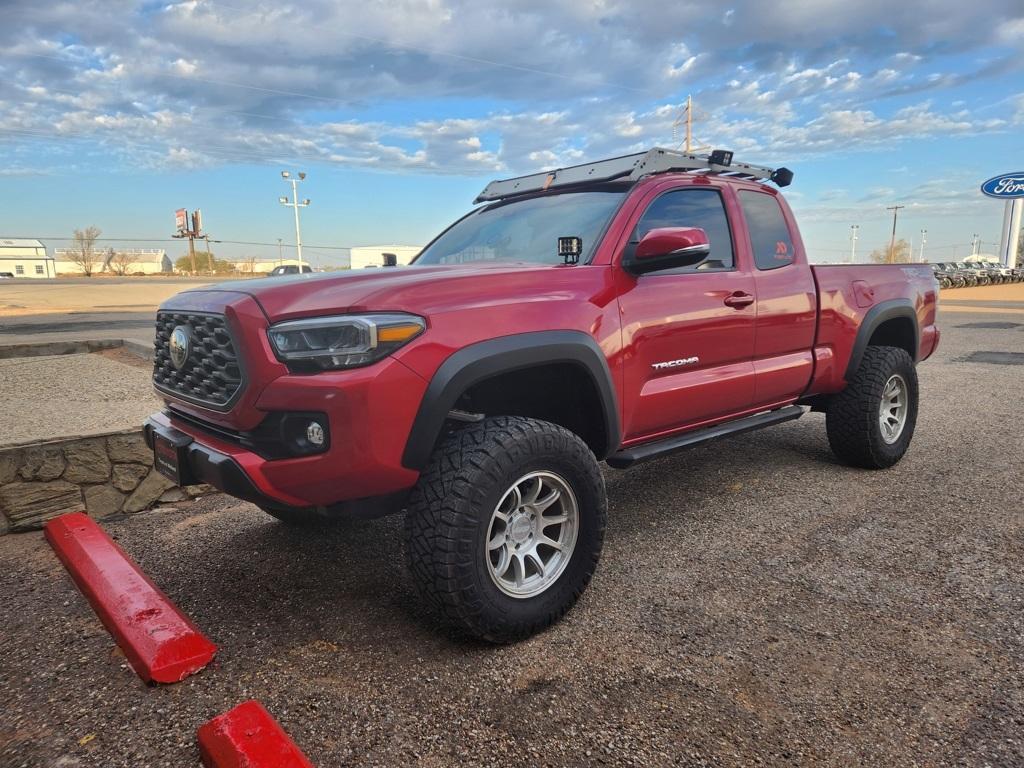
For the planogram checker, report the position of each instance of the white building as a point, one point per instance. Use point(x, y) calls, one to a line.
point(25, 258)
point(373, 255)
point(128, 261)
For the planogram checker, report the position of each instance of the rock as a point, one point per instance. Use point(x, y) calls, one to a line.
point(87, 461)
point(102, 500)
point(199, 490)
point(10, 460)
point(29, 505)
point(4, 525)
point(173, 494)
point(126, 477)
point(129, 449)
point(148, 492)
point(42, 463)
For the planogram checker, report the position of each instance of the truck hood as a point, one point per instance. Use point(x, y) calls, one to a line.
point(421, 290)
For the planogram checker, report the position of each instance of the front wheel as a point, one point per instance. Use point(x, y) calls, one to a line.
point(871, 422)
point(505, 528)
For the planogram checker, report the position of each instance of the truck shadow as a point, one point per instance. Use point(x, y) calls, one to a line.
point(345, 582)
point(348, 582)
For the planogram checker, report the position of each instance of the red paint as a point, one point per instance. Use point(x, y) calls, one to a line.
point(762, 338)
point(248, 737)
point(658, 242)
point(159, 641)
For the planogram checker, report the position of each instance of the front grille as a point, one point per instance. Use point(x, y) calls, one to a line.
point(211, 374)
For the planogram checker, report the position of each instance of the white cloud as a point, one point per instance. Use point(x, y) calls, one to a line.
point(520, 85)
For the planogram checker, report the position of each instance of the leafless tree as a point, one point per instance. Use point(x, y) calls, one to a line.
point(82, 251)
point(119, 261)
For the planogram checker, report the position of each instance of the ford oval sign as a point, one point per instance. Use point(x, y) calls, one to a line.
point(1007, 186)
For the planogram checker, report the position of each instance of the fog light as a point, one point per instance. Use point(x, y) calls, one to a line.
point(315, 434)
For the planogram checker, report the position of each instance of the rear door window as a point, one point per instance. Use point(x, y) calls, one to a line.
point(769, 235)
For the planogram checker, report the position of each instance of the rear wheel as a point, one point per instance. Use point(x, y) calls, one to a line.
point(871, 423)
point(505, 527)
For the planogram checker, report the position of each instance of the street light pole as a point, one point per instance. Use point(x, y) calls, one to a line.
point(924, 239)
point(853, 242)
point(295, 203)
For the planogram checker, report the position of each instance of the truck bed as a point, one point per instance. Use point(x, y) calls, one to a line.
point(848, 293)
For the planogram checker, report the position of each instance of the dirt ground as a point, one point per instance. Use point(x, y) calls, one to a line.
point(19, 298)
point(756, 604)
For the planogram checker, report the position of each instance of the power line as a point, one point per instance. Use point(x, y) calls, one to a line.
point(238, 154)
point(376, 41)
point(176, 240)
point(459, 56)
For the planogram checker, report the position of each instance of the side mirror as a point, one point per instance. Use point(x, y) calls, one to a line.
point(668, 248)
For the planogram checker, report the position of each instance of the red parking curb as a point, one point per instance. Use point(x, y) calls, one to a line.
point(248, 737)
point(159, 641)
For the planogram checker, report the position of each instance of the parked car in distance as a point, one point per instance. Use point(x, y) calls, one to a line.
point(947, 277)
point(981, 275)
point(619, 310)
point(6, 275)
point(289, 269)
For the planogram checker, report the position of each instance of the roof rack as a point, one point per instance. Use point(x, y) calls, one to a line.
point(632, 168)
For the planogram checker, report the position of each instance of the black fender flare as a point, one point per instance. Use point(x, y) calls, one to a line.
point(881, 313)
point(477, 362)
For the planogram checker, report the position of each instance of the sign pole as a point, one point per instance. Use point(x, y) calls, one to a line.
point(1017, 209)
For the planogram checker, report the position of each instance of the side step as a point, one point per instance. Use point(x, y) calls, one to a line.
point(630, 456)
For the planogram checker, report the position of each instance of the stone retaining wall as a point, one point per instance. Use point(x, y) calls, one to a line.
point(105, 475)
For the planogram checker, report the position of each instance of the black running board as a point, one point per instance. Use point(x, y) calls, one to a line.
point(630, 456)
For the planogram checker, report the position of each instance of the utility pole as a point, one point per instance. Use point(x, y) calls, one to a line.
point(686, 118)
point(924, 239)
point(280, 255)
point(892, 242)
point(975, 243)
point(295, 204)
point(853, 242)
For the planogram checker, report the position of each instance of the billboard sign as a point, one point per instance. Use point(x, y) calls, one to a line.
point(181, 220)
point(1007, 186)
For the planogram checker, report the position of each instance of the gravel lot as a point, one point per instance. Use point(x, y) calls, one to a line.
point(757, 604)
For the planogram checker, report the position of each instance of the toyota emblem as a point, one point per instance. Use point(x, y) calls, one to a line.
point(180, 344)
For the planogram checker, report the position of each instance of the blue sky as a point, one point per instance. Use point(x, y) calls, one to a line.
point(115, 113)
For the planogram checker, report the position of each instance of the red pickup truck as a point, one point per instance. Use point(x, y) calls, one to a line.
point(618, 310)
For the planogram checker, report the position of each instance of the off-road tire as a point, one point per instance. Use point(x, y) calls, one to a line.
point(450, 509)
point(851, 418)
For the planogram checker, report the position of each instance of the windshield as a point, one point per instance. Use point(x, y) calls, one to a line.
point(526, 230)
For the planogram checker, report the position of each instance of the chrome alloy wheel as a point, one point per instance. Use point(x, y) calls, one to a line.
point(532, 534)
point(892, 410)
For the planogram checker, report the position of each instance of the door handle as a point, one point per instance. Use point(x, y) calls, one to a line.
point(739, 300)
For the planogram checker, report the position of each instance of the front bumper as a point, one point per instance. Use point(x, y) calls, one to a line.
point(201, 464)
point(370, 412)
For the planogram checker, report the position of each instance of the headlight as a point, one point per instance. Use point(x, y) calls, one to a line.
point(342, 341)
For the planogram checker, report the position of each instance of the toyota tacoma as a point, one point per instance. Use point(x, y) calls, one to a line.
point(613, 311)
